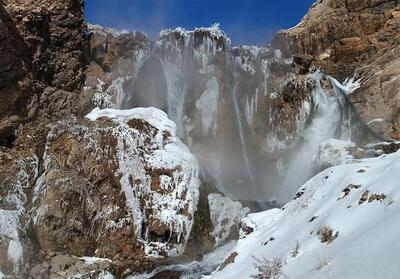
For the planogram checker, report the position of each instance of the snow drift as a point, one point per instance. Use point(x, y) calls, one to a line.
point(343, 223)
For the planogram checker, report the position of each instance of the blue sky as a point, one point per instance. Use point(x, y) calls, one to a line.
point(245, 21)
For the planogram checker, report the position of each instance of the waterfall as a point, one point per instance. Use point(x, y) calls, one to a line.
point(323, 126)
point(226, 103)
point(242, 139)
point(333, 117)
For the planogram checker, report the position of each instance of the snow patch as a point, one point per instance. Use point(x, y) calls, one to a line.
point(92, 260)
point(155, 117)
point(104, 30)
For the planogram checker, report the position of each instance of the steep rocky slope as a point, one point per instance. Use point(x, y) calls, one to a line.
point(43, 50)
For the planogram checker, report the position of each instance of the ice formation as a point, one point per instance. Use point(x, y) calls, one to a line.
point(171, 155)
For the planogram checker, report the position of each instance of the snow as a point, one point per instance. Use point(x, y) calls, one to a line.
point(376, 120)
point(367, 245)
point(155, 117)
point(214, 31)
point(104, 30)
point(105, 275)
point(92, 260)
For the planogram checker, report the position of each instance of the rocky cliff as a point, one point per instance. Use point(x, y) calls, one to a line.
point(354, 39)
point(44, 51)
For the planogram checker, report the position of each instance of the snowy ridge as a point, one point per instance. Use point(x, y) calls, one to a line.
point(213, 31)
point(105, 30)
point(155, 117)
point(337, 216)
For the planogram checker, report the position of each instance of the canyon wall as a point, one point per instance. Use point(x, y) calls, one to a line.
point(122, 188)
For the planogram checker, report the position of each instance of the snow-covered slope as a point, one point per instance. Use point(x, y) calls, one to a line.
point(343, 223)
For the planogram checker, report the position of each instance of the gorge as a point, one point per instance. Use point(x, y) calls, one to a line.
point(187, 157)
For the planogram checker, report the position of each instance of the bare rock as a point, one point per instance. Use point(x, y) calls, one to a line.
point(341, 35)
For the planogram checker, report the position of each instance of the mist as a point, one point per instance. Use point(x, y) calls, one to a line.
point(229, 107)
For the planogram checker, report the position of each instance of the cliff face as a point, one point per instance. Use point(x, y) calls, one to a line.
point(360, 39)
point(43, 51)
point(340, 36)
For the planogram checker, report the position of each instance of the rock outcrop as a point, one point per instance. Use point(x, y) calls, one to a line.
point(341, 35)
point(45, 52)
point(115, 57)
point(120, 187)
point(126, 188)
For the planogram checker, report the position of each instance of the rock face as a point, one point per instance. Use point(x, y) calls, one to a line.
point(377, 99)
point(120, 186)
point(114, 60)
point(43, 50)
point(354, 38)
point(340, 36)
